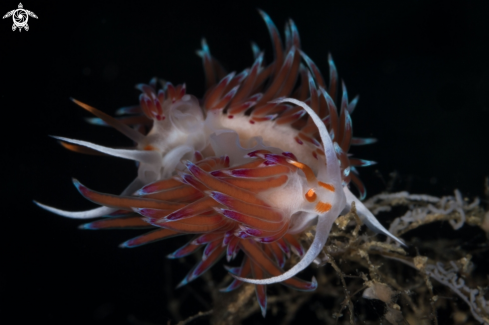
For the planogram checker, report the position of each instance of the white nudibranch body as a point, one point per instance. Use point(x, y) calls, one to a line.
point(185, 131)
point(260, 159)
point(176, 136)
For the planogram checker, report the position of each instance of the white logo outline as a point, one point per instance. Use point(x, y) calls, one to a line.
point(20, 16)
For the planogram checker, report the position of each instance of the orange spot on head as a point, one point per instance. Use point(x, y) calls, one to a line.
point(149, 147)
point(306, 169)
point(322, 207)
point(311, 195)
point(327, 186)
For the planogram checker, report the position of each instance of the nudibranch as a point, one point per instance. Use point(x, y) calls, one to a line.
point(262, 157)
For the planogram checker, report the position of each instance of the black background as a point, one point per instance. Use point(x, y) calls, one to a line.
point(421, 68)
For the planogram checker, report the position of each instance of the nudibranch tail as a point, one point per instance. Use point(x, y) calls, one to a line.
point(89, 214)
point(262, 157)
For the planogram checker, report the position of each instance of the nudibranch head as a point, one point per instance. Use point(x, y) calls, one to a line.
point(262, 157)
